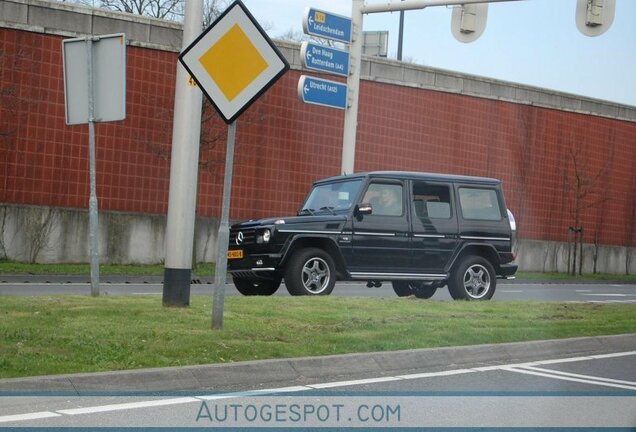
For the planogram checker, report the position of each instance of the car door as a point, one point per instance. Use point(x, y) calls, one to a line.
point(381, 240)
point(435, 229)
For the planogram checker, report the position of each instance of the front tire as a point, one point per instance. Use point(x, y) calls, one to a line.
point(310, 271)
point(473, 279)
point(249, 287)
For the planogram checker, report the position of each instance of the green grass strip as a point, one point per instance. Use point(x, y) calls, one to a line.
point(68, 334)
point(12, 267)
point(207, 269)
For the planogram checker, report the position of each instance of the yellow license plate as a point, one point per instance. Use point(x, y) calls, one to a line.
point(235, 254)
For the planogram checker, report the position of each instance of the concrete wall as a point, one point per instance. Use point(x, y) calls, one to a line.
point(545, 256)
point(51, 235)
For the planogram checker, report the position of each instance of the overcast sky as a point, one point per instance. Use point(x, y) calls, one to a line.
point(534, 42)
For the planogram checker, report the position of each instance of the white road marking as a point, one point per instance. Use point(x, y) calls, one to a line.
point(353, 382)
point(29, 416)
point(566, 378)
point(606, 295)
point(525, 368)
point(588, 377)
point(128, 406)
point(436, 374)
point(614, 355)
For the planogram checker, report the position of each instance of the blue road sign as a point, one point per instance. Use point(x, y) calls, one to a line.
point(322, 92)
point(327, 25)
point(324, 59)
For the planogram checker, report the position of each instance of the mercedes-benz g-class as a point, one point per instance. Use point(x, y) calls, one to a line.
point(419, 231)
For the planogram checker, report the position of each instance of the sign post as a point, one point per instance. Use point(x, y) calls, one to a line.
point(94, 91)
point(93, 217)
point(233, 61)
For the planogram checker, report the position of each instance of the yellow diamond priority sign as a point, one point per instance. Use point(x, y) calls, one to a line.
point(233, 61)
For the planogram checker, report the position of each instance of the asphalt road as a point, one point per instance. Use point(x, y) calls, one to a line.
point(506, 290)
point(481, 388)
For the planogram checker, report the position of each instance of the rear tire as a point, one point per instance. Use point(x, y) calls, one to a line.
point(310, 271)
point(249, 287)
point(424, 291)
point(402, 288)
point(473, 279)
point(417, 288)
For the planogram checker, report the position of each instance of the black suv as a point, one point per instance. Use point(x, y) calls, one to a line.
point(419, 231)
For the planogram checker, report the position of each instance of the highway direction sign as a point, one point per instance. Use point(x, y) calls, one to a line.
point(324, 59)
point(233, 61)
point(327, 25)
point(322, 92)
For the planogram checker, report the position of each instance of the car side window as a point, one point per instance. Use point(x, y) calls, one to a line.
point(479, 204)
point(385, 199)
point(431, 201)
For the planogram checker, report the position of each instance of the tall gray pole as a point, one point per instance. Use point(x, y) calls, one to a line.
point(400, 36)
point(93, 217)
point(353, 84)
point(224, 233)
point(183, 173)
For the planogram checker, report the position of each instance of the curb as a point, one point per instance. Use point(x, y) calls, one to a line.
point(253, 375)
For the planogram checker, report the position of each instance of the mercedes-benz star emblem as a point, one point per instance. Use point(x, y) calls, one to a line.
point(239, 238)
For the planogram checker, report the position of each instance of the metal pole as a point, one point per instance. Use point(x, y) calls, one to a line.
point(420, 4)
point(224, 234)
point(400, 36)
point(93, 217)
point(184, 165)
point(353, 84)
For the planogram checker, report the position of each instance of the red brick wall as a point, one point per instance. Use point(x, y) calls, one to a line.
point(283, 145)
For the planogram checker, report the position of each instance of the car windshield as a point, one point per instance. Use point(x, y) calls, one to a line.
point(331, 197)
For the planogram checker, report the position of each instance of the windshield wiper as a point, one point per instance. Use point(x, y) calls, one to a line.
point(328, 208)
point(307, 210)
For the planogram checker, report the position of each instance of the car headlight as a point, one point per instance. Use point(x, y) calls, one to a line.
point(264, 236)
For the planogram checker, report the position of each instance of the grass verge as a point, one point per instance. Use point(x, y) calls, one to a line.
point(12, 267)
point(207, 269)
point(68, 334)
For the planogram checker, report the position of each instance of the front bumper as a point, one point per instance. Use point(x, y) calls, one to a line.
point(257, 266)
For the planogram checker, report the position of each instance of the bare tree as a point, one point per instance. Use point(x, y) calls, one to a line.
point(587, 191)
point(163, 9)
point(212, 9)
point(294, 35)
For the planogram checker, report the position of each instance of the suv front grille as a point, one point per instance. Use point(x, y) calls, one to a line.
point(249, 237)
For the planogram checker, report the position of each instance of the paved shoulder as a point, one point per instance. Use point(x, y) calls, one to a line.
point(300, 371)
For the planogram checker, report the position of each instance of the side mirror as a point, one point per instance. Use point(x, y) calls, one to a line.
point(362, 209)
